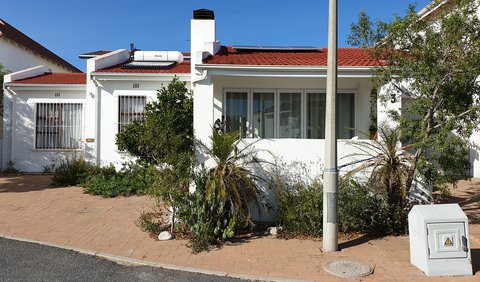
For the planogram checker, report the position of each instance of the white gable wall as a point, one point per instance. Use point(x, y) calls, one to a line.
point(15, 57)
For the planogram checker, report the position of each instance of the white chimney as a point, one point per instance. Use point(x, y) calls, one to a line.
point(203, 40)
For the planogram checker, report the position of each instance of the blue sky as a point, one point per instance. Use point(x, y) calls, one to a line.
point(70, 28)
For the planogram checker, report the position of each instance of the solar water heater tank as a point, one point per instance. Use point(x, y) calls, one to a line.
point(439, 244)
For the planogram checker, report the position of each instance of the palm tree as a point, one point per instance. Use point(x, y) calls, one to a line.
point(232, 179)
point(389, 163)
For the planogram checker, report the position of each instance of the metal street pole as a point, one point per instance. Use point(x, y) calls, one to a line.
point(330, 178)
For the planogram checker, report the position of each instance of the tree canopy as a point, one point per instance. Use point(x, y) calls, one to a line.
point(165, 134)
point(3, 72)
point(435, 61)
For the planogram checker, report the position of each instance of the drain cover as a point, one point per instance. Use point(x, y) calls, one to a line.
point(348, 268)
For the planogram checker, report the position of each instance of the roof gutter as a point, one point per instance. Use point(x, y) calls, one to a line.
point(430, 8)
point(137, 76)
point(277, 67)
point(32, 86)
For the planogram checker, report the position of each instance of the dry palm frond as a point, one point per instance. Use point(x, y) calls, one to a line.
point(388, 162)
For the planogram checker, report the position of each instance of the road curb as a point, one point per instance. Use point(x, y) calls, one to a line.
point(133, 261)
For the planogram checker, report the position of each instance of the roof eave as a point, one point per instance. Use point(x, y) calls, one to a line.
point(284, 71)
point(33, 86)
point(279, 67)
point(150, 76)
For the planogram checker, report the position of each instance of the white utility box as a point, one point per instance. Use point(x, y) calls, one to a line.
point(439, 244)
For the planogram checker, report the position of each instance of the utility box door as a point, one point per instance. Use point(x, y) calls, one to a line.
point(447, 240)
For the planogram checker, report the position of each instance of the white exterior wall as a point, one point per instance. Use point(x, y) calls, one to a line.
point(110, 90)
point(19, 143)
point(15, 57)
point(93, 102)
point(475, 155)
point(385, 106)
point(208, 106)
point(384, 109)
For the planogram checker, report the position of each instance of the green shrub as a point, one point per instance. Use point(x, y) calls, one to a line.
point(361, 210)
point(10, 165)
point(300, 208)
point(220, 205)
point(166, 130)
point(152, 222)
point(72, 171)
point(131, 179)
point(209, 219)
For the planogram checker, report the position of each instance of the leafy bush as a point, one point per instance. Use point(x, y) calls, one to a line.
point(361, 210)
point(152, 222)
point(72, 171)
point(219, 206)
point(165, 134)
point(300, 208)
point(221, 202)
point(10, 164)
point(131, 179)
point(208, 217)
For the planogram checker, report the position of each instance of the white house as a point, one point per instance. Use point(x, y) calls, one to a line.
point(50, 115)
point(430, 12)
point(43, 115)
point(277, 94)
point(19, 52)
point(274, 95)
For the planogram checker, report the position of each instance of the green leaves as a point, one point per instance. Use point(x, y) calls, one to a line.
point(165, 135)
point(220, 204)
point(437, 59)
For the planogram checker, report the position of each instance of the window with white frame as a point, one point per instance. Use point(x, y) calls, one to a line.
point(263, 119)
point(345, 114)
point(58, 126)
point(286, 113)
point(130, 109)
point(236, 117)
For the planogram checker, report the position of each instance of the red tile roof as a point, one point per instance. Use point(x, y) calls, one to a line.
point(178, 68)
point(55, 78)
point(346, 57)
point(17, 36)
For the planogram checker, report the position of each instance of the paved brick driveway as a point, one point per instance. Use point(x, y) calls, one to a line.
point(31, 208)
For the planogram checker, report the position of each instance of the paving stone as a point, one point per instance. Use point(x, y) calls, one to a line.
point(35, 210)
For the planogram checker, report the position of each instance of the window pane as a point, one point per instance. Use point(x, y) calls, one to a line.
point(345, 115)
point(290, 115)
point(236, 114)
point(58, 126)
point(263, 115)
point(316, 115)
point(130, 108)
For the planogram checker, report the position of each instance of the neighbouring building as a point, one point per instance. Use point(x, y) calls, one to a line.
point(19, 52)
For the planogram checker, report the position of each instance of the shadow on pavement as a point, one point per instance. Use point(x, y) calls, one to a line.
point(19, 183)
point(475, 260)
point(357, 241)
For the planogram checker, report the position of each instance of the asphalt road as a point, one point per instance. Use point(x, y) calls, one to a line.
point(23, 261)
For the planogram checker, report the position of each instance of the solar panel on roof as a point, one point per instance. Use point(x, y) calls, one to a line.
point(275, 48)
point(148, 65)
